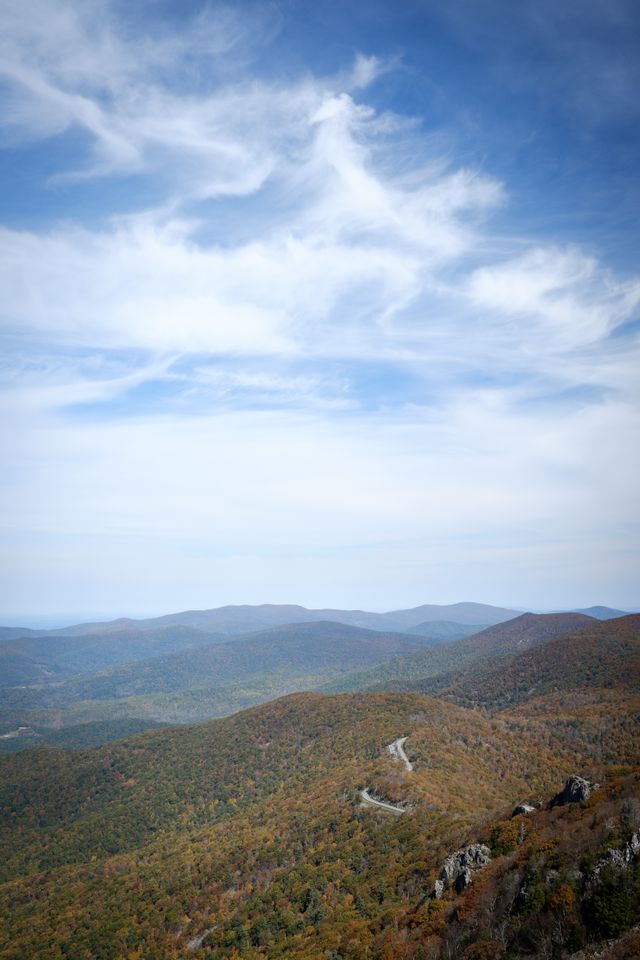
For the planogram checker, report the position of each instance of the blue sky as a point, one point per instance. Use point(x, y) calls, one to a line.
point(321, 303)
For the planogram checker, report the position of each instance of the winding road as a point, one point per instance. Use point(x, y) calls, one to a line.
point(370, 801)
point(396, 749)
point(196, 942)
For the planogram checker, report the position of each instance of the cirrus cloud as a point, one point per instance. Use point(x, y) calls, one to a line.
point(313, 345)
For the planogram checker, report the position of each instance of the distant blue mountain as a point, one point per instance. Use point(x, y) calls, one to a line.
point(602, 613)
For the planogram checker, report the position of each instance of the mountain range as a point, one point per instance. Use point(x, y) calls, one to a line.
point(209, 679)
point(449, 658)
point(85, 674)
point(250, 836)
point(245, 619)
point(165, 671)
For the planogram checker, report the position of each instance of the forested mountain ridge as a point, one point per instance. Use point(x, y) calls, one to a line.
point(304, 649)
point(231, 673)
point(448, 659)
point(75, 736)
point(246, 618)
point(206, 680)
point(251, 825)
point(601, 655)
point(46, 665)
point(32, 659)
point(600, 612)
point(526, 630)
point(605, 655)
point(441, 631)
point(245, 835)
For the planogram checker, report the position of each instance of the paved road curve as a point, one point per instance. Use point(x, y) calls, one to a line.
point(372, 802)
point(396, 749)
point(195, 943)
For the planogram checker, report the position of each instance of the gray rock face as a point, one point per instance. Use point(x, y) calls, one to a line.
point(615, 859)
point(459, 868)
point(575, 790)
point(438, 889)
point(522, 808)
point(618, 859)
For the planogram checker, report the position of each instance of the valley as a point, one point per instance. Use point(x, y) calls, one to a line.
point(316, 823)
point(164, 671)
point(171, 670)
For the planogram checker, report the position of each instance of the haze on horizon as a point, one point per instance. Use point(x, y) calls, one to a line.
point(305, 304)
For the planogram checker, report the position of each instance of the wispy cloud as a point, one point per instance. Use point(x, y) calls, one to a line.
point(314, 342)
point(558, 299)
point(353, 247)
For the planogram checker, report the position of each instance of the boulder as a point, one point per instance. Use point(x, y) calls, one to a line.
point(459, 868)
point(522, 808)
point(575, 790)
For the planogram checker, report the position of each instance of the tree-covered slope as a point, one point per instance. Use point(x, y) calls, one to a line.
point(600, 612)
point(444, 631)
point(75, 736)
point(215, 678)
point(605, 655)
point(302, 650)
point(251, 828)
point(447, 659)
point(42, 658)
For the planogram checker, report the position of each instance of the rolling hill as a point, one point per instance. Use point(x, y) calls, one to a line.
point(216, 678)
point(604, 655)
point(447, 659)
point(603, 613)
point(444, 631)
point(202, 681)
point(241, 619)
point(244, 837)
point(526, 630)
point(73, 737)
point(32, 659)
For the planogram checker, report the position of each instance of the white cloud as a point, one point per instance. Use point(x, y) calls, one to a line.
point(559, 294)
point(69, 66)
point(344, 243)
point(42, 384)
point(365, 70)
point(411, 494)
point(356, 247)
point(347, 245)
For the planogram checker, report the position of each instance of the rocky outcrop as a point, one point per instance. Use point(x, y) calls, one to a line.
point(522, 808)
point(575, 790)
point(458, 869)
point(618, 858)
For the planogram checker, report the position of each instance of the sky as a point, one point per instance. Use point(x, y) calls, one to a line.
point(332, 304)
